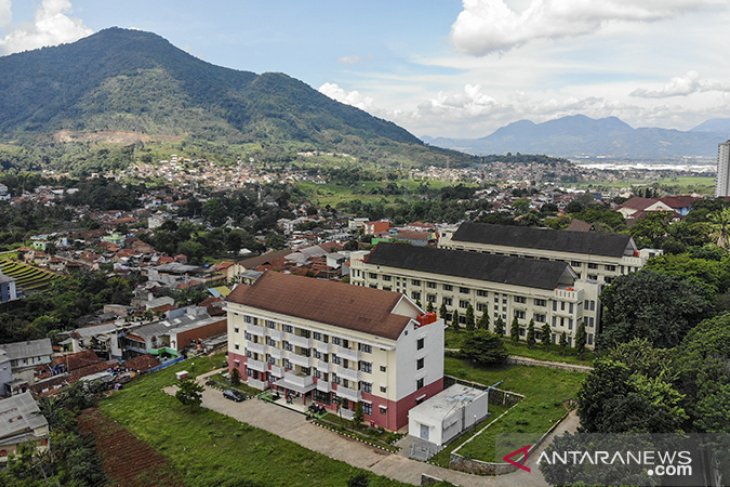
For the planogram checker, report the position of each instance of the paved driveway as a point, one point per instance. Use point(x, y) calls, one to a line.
point(294, 427)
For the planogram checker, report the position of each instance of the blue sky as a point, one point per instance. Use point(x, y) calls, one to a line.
point(440, 67)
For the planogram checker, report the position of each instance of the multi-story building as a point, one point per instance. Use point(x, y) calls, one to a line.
point(337, 345)
point(723, 170)
point(21, 421)
point(502, 286)
point(593, 256)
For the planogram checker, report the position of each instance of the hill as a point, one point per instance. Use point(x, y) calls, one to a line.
point(582, 136)
point(124, 86)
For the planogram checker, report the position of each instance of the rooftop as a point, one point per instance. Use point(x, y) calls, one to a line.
point(481, 266)
point(448, 401)
point(19, 414)
point(606, 244)
point(32, 348)
point(351, 307)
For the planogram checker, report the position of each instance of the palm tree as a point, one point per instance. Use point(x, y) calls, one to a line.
point(720, 221)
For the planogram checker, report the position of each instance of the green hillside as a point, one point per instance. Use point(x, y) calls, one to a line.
point(125, 87)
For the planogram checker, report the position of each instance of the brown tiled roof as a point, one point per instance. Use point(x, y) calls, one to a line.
point(78, 374)
point(77, 360)
point(351, 307)
point(679, 201)
point(267, 258)
point(142, 363)
point(638, 203)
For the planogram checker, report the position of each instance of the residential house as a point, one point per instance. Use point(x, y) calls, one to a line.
point(21, 421)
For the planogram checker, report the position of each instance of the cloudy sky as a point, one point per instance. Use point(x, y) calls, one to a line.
point(440, 67)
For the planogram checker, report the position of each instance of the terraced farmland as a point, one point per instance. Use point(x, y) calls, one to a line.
point(27, 277)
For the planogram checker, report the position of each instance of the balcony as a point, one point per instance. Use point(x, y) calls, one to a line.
point(324, 366)
point(297, 340)
point(347, 393)
point(257, 384)
point(346, 353)
point(299, 379)
point(300, 360)
point(256, 365)
point(323, 386)
point(256, 347)
point(321, 346)
point(276, 371)
point(255, 330)
point(275, 352)
point(569, 293)
point(274, 334)
point(349, 374)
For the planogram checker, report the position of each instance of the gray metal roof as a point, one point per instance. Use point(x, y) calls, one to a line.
point(606, 244)
point(19, 414)
point(33, 348)
point(502, 269)
point(184, 322)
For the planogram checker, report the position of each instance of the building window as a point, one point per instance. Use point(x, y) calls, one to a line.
point(520, 299)
point(463, 303)
point(420, 343)
point(237, 346)
point(336, 341)
point(610, 267)
point(336, 379)
point(366, 367)
point(247, 319)
point(416, 282)
point(431, 298)
point(288, 329)
point(386, 278)
point(383, 409)
point(383, 389)
point(464, 290)
point(448, 287)
point(317, 336)
point(540, 302)
point(447, 301)
point(539, 318)
point(575, 263)
point(364, 347)
point(419, 363)
point(481, 306)
point(372, 275)
point(522, 332)
point(419, 384)
point(481, 293)
point(336, 360)
point(382, 368)
point(431, 285)
point(416, 295)
point(520, 314)
point(366, 387)
point(270, 324)
point(248, 336)
point(592, 265)
point(367, 409)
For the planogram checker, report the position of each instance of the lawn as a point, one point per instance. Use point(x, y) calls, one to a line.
point(679, 185)
point(208, 448)
point(546, 392)
point(455, 339)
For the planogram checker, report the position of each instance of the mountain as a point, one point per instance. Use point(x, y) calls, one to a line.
point(128, 85)
point(713, 125)
point(582, 136)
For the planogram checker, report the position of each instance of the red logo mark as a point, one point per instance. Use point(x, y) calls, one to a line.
point(519, 463)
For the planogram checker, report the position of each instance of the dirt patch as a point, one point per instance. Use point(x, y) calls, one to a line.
point(127, 461)
point(111, 137)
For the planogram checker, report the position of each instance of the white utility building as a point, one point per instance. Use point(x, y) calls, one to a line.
point(443, 417)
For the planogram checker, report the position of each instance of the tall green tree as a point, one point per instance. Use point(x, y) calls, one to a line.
point(443, 312)
point(545, 335)
point(499, 326)
point(514, 331)
point(484, 320)
point(455, 325)
point(563, 342)
point(189, 392)
point(531, 334)
point(580, 340)
point(720, 221)
point(470, 322)
point(484, 348)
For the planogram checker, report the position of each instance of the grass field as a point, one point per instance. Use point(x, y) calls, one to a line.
point(546, 392)
point(551, 354)
point(27, 277)
point(208, 448)
point(679, 185)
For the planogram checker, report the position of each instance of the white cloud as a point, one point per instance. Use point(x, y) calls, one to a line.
point(486, 26)
point(682, 86)
point(354, 98)
point(350, 59)
point(6, 14)
point(50, 27)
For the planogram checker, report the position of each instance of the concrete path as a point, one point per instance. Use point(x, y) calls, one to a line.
point(294, 427)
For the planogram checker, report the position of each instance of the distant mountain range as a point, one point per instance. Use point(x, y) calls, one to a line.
point(122, 86)
point(582, 136)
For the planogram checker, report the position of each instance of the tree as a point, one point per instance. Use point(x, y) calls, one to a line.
point(455, 321)
point(235, 376)
point(499, 326)
point(546, 333)
point(514, 331)
point(531, 334)
point(484, 320)
point(563, 342)
point(189, 392)
point(659, 307)
point(580, 340)
point(358, 480)
point(429, 307)
point(484, 348)
point(470, 322)
point(358, 418)
point(720, 221)
point(443, 312)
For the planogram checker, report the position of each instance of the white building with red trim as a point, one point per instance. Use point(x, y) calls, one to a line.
point(336, 345)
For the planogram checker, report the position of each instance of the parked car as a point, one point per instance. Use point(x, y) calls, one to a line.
point(234, 395)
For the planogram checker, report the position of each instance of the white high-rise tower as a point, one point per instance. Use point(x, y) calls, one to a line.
point(723, 169)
